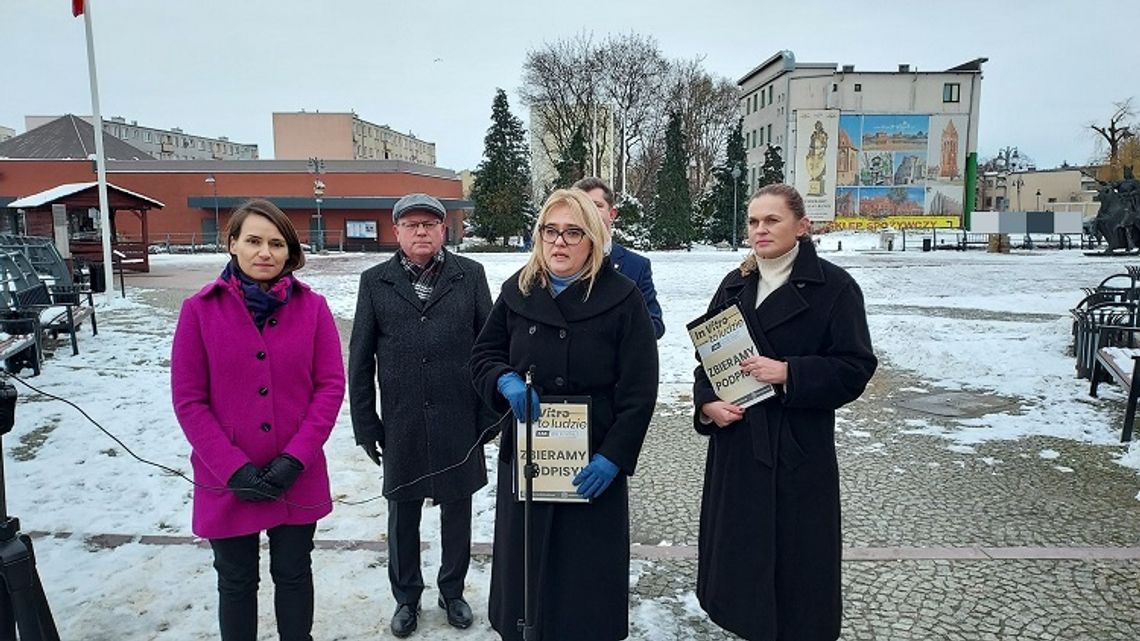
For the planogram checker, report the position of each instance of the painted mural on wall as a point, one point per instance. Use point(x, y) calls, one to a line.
point(816, 156)
point(895, 166)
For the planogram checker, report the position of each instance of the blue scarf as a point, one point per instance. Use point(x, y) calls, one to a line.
point(558, 283)
point(261, 303)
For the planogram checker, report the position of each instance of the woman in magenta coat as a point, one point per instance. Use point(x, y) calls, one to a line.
point(257, 382)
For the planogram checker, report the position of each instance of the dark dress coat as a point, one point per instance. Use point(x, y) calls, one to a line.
point(602, 347)
point(637, 268)
point(770, 539)
point(430, 417)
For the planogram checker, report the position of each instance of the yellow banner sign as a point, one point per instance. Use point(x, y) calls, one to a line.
point(862, 223)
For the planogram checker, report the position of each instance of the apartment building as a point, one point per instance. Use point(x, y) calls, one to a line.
point(164, 144)
point(344, 136)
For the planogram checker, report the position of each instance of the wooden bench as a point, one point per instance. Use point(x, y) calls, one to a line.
point(60, 307)
point(1122, 364)
point(17, 350)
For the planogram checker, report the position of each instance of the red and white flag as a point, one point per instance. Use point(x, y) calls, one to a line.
point(76, 8)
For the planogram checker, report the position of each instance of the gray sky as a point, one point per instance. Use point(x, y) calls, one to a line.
point(221, 67)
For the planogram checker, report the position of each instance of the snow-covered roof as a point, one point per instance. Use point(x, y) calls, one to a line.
point(62, 191)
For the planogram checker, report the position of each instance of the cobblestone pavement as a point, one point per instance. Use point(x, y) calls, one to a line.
point(909, 490)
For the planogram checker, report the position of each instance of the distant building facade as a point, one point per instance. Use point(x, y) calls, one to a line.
point(1061, 189)
point(6, 133)
point(865, 145)
point(164, 144)
point(544, 149)
point(344, 136)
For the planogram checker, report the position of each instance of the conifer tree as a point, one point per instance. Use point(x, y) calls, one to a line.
point(671, 225)
point(502, 189)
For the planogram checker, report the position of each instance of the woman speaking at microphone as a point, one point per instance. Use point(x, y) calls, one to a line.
point(585, 330)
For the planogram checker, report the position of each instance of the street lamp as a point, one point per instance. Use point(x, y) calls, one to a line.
point(735, 202)
point(1038, 200)
point(211, 181)
point(316, 166)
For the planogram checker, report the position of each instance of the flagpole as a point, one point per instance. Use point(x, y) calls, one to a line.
point(100, 158)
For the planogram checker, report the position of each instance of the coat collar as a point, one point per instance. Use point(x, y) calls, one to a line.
point(784, 303)
point(392, 271)
point(609, 291)
point(219, 284)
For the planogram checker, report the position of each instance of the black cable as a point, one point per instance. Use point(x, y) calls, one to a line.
point(169, 470)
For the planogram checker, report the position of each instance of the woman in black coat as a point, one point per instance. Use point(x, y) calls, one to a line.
point(585, 330)
point(770, 540)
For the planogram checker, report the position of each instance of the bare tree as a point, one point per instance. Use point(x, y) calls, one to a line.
point(708, 108)
point(631, 84)
point(1118, 128)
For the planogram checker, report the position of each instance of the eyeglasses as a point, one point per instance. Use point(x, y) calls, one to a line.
point(570, 235)
point(426, 225)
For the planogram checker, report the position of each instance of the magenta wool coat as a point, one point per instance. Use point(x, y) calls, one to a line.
point(244, 396)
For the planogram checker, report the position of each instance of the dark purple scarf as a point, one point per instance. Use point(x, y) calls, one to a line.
point(261, 303)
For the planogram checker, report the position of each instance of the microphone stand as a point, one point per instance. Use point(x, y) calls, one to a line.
point(530, 471)
point(23, 605)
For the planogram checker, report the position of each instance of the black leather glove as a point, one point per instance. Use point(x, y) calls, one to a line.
point(249, 485)
point(282, 472)
point(374, 446)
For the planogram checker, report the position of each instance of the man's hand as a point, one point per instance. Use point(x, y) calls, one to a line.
point(722, 413)
point(374, 446)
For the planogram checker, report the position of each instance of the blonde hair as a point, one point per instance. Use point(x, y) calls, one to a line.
point(585, 214)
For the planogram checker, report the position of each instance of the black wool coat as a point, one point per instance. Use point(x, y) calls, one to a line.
point(770, 539)
point(418, 352)
point(602, 347)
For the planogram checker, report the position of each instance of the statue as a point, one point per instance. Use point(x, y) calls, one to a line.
point(1118, 220)
point(816, 161)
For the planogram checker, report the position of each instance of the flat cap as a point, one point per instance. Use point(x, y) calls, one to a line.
point(418, 202)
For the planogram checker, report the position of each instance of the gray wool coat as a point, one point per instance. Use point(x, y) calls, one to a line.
point(430, 416)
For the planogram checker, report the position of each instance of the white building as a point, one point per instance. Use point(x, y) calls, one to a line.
point(865, 144)
point(164, 144)
point(6, 133)
point(600, 151)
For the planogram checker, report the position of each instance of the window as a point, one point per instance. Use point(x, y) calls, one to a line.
point(761, 136)
point(747, 106)
point(755, 98)
point(770, 88)
point(858, 87)
point(951, 92)
point(769, 134)
point(834, 87)
point(761, 98)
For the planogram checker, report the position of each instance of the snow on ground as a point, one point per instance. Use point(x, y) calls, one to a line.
point(992, 324)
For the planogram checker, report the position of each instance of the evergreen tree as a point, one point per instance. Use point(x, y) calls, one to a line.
point(572, 167)
point(501, 192)
point(671, 225)
point(772, 171)
point(723, 211)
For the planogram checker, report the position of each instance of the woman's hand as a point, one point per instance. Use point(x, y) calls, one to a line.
point(765, 370)
point(721, 413)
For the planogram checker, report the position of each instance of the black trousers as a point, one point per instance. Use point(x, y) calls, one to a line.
point(404, 549)
point(290, 565)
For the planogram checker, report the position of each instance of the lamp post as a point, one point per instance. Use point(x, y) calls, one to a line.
point(317, 166)
point(1019, 183)
point(735, 204)
point(1038, 200)
point(213, 182)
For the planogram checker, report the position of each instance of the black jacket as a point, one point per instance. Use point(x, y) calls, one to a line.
point(418, 352)
point(603, 347)
point(770, 538)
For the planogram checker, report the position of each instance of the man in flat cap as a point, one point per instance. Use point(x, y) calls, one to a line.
point(417, 316)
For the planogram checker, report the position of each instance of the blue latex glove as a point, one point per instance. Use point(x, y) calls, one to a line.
point(595, 477)
point(512, 387)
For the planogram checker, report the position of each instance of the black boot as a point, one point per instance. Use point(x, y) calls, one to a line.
point(405, 620)
point(458, 612)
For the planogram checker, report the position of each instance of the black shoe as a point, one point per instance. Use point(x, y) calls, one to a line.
point(458, 612)
point(405, 619)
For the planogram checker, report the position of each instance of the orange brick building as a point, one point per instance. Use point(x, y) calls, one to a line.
point(355, 209)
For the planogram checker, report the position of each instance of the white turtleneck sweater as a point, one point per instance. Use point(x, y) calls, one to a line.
point(774, 272)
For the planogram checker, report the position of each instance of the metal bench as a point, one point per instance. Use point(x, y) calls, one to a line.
point(1122, 365)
